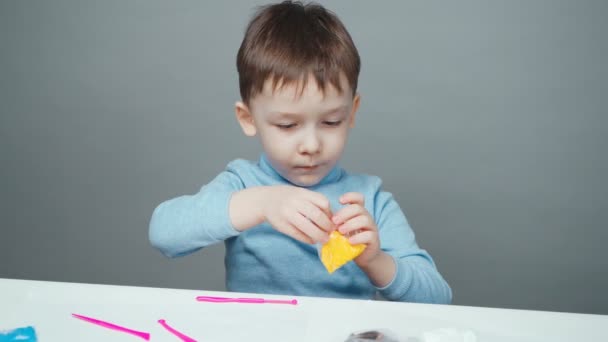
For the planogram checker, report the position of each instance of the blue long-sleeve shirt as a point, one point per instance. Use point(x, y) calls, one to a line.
point(262, 260)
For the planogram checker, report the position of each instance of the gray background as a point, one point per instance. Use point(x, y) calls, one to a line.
point(487, 120)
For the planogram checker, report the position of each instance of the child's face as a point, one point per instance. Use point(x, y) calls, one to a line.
point(304, 134)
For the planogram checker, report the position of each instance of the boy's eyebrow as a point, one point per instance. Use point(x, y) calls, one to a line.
point(296, 115)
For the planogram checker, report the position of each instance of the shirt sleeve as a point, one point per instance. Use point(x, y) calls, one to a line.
point(185, 224)
point(416, 277)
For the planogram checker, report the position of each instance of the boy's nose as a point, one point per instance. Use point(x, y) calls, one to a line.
point(310, 144)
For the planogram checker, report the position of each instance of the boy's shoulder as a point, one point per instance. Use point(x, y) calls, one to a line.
point(243, 168)
point(241, 164)
point(359, 179)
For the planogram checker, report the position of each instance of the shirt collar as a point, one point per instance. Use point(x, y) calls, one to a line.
point(333, 176)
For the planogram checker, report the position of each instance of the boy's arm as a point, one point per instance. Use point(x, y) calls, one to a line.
point(224, 208)
point(381, 271)
point(186, 224)
point(246, 207)
point(416, 278)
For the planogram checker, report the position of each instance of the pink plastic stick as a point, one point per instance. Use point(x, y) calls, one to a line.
point(141, 334)
point(246, 300)
point(175, 332)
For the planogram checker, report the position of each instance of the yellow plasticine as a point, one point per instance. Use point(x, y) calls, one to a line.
point(338, 251)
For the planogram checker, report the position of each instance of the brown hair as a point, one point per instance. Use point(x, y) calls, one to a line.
point(289, 41)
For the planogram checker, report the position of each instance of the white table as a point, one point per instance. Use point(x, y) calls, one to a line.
point(47, 306)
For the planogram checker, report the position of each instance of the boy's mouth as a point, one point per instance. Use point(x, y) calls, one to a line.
point(307, 167)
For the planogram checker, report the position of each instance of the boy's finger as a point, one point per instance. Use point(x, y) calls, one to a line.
point(317, 216)
point(320, 201)
point(347, 213)
point(305, 226)
point(365, 237)
point(352, 198)
point(358, 222)
point(298, 235)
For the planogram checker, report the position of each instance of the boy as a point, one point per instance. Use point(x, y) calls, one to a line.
point(298, 71)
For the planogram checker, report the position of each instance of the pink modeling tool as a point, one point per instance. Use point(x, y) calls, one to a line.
point(141, 334)
point(246, 300)
point(175, 332)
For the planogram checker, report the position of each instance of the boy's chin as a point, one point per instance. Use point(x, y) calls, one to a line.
point(304, 181)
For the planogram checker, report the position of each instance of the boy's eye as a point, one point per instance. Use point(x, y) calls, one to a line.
point(333, 123)
point(286, 126)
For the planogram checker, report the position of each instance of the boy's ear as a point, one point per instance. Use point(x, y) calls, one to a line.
point(356, 103)
point(245, 119)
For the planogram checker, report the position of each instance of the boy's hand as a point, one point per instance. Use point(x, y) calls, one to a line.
point(355, 222)
point(300, 213)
